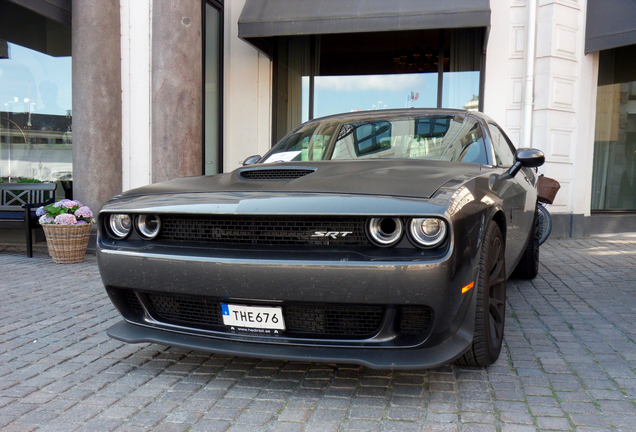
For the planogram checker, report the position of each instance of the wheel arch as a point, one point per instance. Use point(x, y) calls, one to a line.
point(500, 219)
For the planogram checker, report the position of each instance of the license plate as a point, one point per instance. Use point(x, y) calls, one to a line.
point(253, 316)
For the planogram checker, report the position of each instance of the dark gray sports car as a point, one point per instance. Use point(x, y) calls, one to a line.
point(381, 238)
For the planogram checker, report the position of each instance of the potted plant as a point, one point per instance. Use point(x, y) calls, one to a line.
point(67, 227)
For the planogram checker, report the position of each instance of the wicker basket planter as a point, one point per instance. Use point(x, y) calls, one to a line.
point(67, 243)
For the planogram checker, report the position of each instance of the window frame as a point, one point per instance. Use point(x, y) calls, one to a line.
point(492, 145)
point(218, 5)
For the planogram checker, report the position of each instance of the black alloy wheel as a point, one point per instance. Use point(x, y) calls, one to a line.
point(490, 313)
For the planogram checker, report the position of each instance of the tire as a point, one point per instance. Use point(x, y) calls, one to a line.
point(545, 224)
point(490, 313)
point(528, 267)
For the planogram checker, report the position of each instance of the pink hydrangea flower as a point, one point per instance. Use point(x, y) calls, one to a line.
point(65, 219)
point(40, 211)
point(70, 204)
point(67, 203)
point(60, 203)
point(84, 212)
point(46, 220)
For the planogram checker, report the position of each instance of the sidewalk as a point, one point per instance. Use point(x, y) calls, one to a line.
point(568, 363)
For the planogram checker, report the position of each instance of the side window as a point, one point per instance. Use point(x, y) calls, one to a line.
point(503, 152)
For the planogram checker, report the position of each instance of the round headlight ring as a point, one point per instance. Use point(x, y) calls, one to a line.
point(119, 225)
point(148, 226)
point(385, 231)
point(427, 232)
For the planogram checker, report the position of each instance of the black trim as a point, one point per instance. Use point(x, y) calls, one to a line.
point(613, 212)
point(56, 10)
point(440, 68)
point(218, 5)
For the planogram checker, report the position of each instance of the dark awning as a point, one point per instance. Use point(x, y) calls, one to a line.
point(610, 24)
point(262, 19)
point(57, 10)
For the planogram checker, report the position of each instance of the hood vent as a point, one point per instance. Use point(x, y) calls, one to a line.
point(274, 174)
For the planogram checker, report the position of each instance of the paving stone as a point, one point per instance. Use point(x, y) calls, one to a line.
point(567, 363)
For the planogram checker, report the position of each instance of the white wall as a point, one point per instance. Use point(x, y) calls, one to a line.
point(247, 98)
point(136, 37)
point(564, 90)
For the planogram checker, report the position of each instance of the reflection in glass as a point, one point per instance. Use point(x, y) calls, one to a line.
point(430, 137)
point(35, 115)
point(348, 93)
point(461, 90)
point(316, 76)
point(614, 173)
point(614, 170)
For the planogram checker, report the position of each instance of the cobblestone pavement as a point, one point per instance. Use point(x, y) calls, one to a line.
point(568, 363)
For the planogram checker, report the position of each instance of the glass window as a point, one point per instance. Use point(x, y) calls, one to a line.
point(212, 128)
point(462, 75)
point(316, 76)
point(441, 137)
point(35, 100)
point(614, 167)
point(502, 148)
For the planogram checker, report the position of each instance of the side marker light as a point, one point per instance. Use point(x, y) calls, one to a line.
point(468, 287)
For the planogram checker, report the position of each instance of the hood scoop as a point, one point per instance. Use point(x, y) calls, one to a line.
point(275, 173)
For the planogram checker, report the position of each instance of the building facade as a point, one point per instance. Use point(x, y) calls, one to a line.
point(119, 94)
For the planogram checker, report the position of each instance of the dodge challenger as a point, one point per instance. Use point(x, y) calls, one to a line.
point(381, 238)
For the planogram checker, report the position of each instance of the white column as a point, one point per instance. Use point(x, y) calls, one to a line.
point(565, 101)
point(565, 82)
point(136, 36)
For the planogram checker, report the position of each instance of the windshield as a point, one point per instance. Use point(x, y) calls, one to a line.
point(433, 137)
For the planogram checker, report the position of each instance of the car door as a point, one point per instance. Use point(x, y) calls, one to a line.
point(518, 195)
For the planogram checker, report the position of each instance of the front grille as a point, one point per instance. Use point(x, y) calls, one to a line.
point(329, 319)
point(415, 320)
point(274, 174)
point(133, 302)
point(186, 309)
point(266, 230)
point(302, 319)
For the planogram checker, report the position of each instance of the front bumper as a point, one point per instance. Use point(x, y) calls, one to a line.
point(245, 277)
point(422, 357)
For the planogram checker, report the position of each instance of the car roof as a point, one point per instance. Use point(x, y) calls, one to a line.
point(397, 113)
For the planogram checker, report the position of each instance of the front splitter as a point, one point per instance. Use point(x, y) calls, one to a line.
point(376, 358)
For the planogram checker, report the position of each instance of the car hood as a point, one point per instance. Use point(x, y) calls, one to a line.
point(407, 178)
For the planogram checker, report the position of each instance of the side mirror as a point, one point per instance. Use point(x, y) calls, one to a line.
point(251, 160)
point(526, 157)
point(530, 158)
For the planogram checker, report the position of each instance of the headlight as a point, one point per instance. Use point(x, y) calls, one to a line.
point(119, 225)
point(148, 226)
point(427, 232)
point(385, 231)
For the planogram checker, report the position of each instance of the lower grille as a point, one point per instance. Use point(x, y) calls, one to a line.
point(133, 302)
point(266, 230)
point(300, 318)
point(306, 320)
point(415, 320)
point(186, 309)
point(328, 319)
